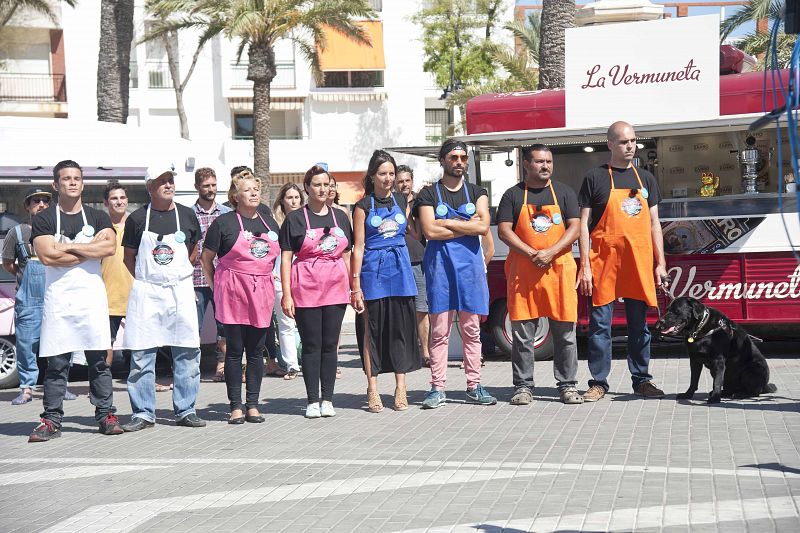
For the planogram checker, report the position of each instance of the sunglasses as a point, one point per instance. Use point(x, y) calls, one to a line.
point(462, 158)
point(39, 200)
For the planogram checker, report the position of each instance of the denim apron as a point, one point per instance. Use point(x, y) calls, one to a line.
point(455, 273)
point(28, 305)
point(386, 269)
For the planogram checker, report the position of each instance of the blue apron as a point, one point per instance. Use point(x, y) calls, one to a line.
point(386, 269)
point(455, 274)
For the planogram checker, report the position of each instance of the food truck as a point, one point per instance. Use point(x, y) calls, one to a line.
point(729, 214)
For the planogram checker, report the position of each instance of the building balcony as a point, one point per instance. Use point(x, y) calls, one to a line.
point(284, 76)
point(23, 87)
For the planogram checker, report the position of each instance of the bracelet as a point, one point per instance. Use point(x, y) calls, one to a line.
point(355, 275)
point(355, 292)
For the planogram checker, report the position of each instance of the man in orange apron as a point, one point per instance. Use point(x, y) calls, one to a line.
point(539, 220)
point(619, 209)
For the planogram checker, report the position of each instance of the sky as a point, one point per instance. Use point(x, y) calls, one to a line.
point(693, 11)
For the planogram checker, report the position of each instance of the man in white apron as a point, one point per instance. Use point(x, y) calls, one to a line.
point(160, 246)
point(70, 239)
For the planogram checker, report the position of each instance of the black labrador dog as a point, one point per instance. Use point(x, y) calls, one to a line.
point(712, 339)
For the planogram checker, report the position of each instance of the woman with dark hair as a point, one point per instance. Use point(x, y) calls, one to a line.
point(383, 282)
point(290, 198)
point(315, 243)
point(244, 293)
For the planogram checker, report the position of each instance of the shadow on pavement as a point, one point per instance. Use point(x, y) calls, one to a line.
point(773, 466)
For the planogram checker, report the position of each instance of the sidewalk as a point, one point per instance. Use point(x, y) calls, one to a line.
point(621, 464)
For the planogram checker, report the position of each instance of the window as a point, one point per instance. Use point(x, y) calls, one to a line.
point(283, 125)
point(437, 122)
point(353, 79)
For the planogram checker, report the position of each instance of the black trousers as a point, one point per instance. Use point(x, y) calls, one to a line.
point(249, 340)
point(319, 329)
point(101, 388)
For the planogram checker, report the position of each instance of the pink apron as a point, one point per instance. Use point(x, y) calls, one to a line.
point(319, 275)
point(244, 292)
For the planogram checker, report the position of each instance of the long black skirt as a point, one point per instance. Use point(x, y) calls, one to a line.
point(392, 333)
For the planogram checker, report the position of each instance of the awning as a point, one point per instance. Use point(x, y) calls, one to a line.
point(346, 95)
point(278, 103)
point(342, 53)
point(90, 173)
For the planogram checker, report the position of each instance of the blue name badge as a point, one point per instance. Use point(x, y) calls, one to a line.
point(557, 218)
point(88, 230)
point(339, 232)
point(441, 210)
point(272, 236)
point(180, 237)
point(375, 221)
point(399, 218)
point(645, 194)
point(470, 209)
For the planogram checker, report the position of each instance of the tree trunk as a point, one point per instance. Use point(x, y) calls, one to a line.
point(170, 41)
point(114, 60)
point(557, 16)
point(261, 71)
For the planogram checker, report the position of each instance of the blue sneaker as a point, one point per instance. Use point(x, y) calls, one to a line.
point(435, 398)
point(480, 396)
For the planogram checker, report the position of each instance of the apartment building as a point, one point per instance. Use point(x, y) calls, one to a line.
point(372, 97)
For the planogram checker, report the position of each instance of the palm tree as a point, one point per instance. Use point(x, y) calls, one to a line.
point(520, 65)
point(557, 16)
point(114, 60)
point(9, 7)
point(257, 25)
point(758, 43)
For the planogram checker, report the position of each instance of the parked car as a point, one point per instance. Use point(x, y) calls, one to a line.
point(9, 377)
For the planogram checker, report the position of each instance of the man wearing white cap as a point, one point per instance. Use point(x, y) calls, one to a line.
point(160, 244)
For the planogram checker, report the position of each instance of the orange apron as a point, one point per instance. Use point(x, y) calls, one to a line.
point(622, 249)
point(535, 292)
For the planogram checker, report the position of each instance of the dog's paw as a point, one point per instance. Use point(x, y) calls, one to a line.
point(714, 399)
point(684, 396)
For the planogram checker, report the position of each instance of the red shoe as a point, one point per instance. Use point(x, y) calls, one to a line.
point(45, 431)
point(110, 425)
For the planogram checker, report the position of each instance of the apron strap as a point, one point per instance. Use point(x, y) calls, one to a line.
point(177, 218)
point(241, 226)
point(372, 202)
point(553, 192)
point(58, 218)
point(305, 214)
point(439, 192)
point(466, 190)
point(147, 219)
point(23, 249)
point(333, 215)
point(611, 175)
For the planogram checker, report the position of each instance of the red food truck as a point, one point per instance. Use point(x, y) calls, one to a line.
point(729, 214)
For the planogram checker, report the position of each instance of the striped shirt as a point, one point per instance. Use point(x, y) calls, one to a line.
point(205, 218)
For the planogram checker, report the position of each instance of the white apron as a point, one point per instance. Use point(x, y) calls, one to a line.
point(161, 306)
point(75, 315)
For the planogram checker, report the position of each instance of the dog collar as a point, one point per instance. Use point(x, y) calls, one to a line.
point(691, 338)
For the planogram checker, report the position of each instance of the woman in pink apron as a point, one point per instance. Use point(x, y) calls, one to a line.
point(315, 243)
point(246, 244)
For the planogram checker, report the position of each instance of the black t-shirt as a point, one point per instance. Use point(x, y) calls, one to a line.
point(428, 196)
point(596, 188)
point(45, 222)
point(161, 223)
point(224, 231)
point(511, 203)
point(366, 203)
point(293, 230)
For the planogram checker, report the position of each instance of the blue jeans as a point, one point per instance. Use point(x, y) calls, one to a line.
point(205, 296)
point(600, 342)
point(28, 320)
point(142, 382)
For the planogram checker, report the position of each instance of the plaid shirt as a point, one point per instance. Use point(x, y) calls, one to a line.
point(205, 218)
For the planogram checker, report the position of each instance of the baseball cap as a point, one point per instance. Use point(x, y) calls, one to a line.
point(37, 191)
point(154, 171)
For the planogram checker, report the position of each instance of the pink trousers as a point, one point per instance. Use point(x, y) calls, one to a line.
point(469, 324)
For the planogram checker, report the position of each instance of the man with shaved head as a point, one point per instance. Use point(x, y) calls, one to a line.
point(619, 211)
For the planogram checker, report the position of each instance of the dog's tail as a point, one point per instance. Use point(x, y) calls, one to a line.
point(769, 387)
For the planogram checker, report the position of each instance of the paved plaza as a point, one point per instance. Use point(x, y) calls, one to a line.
point(622, 464)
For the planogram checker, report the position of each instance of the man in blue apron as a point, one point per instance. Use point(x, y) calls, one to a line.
point(454, 214)
point(70, 239)
point(19, 260)
point(160, 246)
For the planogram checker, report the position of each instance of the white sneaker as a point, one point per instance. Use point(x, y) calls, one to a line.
point(312, 410)
point(327, 410)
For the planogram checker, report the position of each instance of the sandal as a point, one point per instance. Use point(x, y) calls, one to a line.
point(374, 404)
point(219, 376)
point(291, 374)
point(23, 398)
point(400, 400)
point(338, 372)
point(163, 388)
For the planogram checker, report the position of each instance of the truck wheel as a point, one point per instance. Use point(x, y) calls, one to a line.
point(9, 376)
point(501, 331)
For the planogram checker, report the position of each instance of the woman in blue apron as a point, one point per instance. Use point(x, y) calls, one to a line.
point(383, 283)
